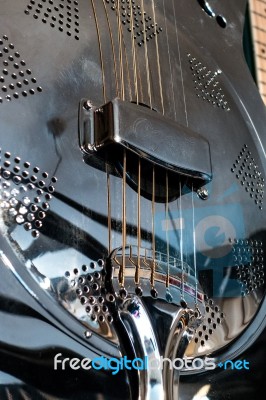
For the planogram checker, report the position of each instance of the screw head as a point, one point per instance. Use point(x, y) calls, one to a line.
point(87, 334)
point(203, 193)
point(87, 105)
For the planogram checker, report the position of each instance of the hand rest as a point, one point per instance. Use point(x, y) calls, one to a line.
point(148, 134)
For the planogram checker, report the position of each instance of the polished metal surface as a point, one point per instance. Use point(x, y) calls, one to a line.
point(94, 260)
point(132, 126)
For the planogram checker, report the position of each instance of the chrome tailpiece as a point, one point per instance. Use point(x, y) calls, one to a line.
point(154, 326)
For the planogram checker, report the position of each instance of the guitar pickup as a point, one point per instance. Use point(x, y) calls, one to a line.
point(147, 133)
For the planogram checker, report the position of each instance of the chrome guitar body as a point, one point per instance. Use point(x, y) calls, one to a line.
point(132, 211)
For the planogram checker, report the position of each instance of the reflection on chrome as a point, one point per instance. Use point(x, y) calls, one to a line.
point(202, 393)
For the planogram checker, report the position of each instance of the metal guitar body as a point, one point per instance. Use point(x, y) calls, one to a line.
point(132, 211)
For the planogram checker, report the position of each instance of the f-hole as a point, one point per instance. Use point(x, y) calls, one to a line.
point(221, 21)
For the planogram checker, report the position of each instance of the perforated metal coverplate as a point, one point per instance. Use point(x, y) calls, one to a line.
point(17, 79)
point(61, 15)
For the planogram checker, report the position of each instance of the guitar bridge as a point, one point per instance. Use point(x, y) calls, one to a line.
point(137, 262)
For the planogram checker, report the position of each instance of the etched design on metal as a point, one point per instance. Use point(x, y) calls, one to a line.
point(207, 84)
point(248, 174)
point(25, 193)
point(16, 78)
point(59, 14)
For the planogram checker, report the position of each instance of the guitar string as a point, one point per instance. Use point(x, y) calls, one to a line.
point(109, 209)
point(112, 45)
point(153, 228)
point(153, 264)
point(100, 49)
point(146, 54)
point(140, 93)
point(181, 241)
point(192, 190)
point(167, 233)
point(163, 111)
point(104, 96)
point(134, 56)
point(134, 61)
point(180, 63)
point(135, 71)
point(122, 95)
point(122, 268)
point(138, 73)
point(127, 66)
point(169, 60)
point(158, 56)
point(194, 246)
point(139, 224)
point(122, 45)
point(124, 224)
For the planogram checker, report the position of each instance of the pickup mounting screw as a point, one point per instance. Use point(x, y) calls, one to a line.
point(87, 105)
point(203, 193)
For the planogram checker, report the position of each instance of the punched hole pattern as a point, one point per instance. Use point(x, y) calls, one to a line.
point(16, 78)
point(248, 267)
point(207, 85)
point(86, 285)
point(212, 319)
point(25, 193)
point(249, 176)
point(133, 17)
point(62, 15)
